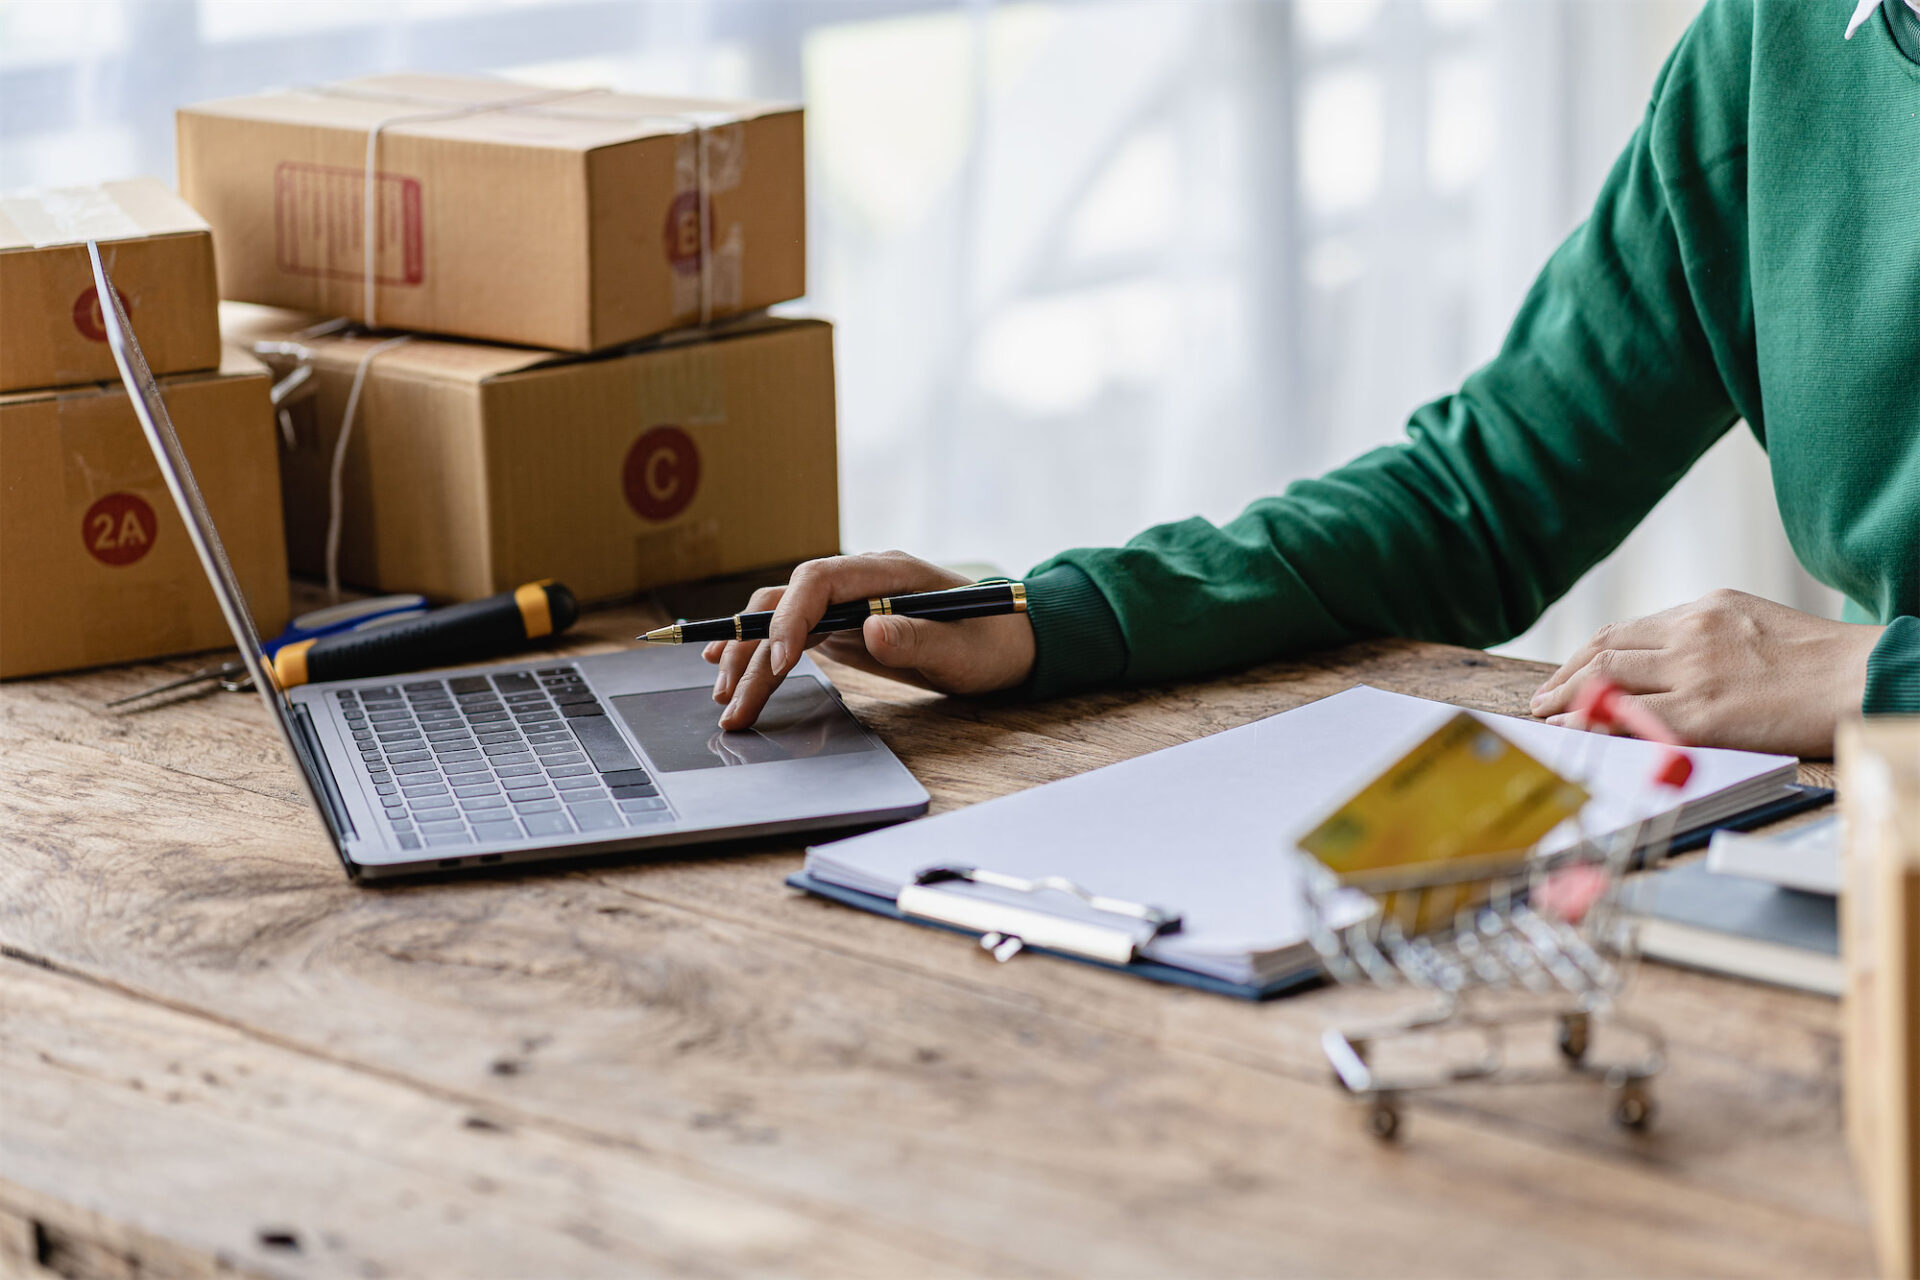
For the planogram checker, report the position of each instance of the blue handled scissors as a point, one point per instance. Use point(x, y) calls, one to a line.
point(354, 615)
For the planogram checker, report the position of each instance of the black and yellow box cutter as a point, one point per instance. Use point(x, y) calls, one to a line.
point(445, 637)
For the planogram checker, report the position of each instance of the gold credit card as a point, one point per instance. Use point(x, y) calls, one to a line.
point(1464, 792)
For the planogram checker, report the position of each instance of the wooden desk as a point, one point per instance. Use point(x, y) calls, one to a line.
point(217, 1053)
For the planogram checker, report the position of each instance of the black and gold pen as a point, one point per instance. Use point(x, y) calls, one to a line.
point(982, 600)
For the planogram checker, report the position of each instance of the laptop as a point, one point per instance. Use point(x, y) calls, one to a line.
point(545, 757)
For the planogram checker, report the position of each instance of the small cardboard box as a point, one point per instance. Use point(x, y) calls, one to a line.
point(95, 565)
point(1879, 763)
point(160, 254)
point(503, 212)
point(472, 469)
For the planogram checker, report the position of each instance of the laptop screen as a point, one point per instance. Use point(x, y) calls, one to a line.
point(151, 409)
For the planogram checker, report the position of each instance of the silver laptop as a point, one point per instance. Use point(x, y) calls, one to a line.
point(542, 758)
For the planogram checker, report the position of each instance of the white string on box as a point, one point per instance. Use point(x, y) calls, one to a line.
point(369, 213)
point(336, 503)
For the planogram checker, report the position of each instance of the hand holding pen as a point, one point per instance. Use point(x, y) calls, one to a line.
point(968, 655)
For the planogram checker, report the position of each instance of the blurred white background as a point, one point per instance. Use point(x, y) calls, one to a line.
point(1095, 265)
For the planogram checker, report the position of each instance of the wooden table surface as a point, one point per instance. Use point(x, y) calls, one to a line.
point(218, 1055)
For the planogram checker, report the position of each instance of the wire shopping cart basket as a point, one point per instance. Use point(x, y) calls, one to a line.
point(1501, 942)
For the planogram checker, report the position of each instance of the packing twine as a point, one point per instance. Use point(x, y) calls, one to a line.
point(369, 213)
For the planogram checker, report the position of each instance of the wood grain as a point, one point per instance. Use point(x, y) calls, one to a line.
point(862, 1096)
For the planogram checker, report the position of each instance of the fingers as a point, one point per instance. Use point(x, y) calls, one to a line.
point(1640, 671)
point(819, 583)
point(1634, 633)
point(756, 685)
point(1667, 707)
point(735, 654)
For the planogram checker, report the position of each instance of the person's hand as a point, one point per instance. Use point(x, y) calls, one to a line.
point(1728, 670)
point(979, 655)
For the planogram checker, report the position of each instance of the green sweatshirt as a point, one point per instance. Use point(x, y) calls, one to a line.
point(1754, 254)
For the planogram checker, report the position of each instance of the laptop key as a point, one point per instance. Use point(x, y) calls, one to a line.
point(594, 817)
point(417, 766)
point(568, 770)
point(565, 743)
point(487, 717)
point(585, 782)
point(555, 734)
point(468, 684)
point(516, 770)
point(547, 824)
point(387, 717)
point(574, 710)
point(419, 788)
point(651, 815)
point(568, 696)
point(470, 803)
point(455, 757)
point(442, 826)
point(409, 757)
point(573, 757)
point(495, 739)
point(485, 831)
point(605, 747)
point(452, 767)
point(488, 788)
point(536, 806)
point(513, 748)
point(640, 805)
point(386, 788)
point(518, 699)
point(624, 777)
point(514, 682)
point(635, 791)
point(408, 841)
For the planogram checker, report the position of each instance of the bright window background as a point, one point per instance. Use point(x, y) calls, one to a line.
point(1094, 265)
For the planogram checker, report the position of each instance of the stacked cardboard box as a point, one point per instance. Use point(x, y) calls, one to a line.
point(95, 565)
point(607, 449)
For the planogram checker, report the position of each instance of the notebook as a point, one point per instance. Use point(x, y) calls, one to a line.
point(1735, 924)
point(1207, 829)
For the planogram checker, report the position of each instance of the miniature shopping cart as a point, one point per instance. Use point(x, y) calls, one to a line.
point(1501, 942)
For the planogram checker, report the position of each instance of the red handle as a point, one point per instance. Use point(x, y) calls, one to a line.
point(1606, 707)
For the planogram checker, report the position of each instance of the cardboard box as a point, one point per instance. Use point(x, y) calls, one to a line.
point(573, 224)
point(95, 565)
point(1880, 945)
point(472, 469)
point(161, 256)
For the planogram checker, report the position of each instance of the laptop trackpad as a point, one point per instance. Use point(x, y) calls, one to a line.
point(801, 719)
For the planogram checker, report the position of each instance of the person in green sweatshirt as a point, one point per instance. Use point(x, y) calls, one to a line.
point(1754, 255)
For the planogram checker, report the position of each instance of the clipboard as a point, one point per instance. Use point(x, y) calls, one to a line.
point(1115, 948)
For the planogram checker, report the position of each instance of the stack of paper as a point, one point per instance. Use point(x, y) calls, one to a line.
point(1208, 829)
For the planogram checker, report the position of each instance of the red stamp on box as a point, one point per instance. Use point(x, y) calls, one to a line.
point(319, 224)
point(119, 529)
point(87, 317)
point(662, 473)
point(681, 236)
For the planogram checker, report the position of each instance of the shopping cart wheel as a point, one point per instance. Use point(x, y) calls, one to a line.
point(1383, 1119)
point(1633, 1106)
point(1574, 1037)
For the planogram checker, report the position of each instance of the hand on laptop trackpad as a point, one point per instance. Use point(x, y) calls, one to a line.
point(801, 720)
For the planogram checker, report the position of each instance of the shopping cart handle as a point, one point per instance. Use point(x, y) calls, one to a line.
point(1605, 707)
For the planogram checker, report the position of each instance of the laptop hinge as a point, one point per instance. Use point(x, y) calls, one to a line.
point(332, 806)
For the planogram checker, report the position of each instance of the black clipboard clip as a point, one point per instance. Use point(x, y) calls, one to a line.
point(1006, 929)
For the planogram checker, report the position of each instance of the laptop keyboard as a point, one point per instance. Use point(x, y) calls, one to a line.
point(480, 759)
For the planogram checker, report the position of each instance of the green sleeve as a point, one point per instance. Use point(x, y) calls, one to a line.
point(1631, 355)
point(1893, 671)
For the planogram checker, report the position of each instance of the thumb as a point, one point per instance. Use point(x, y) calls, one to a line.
point(937, 650)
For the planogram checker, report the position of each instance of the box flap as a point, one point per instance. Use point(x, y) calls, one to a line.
point(562, 119)
point(127, 210)
point(436, 358)
point(235, 362)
